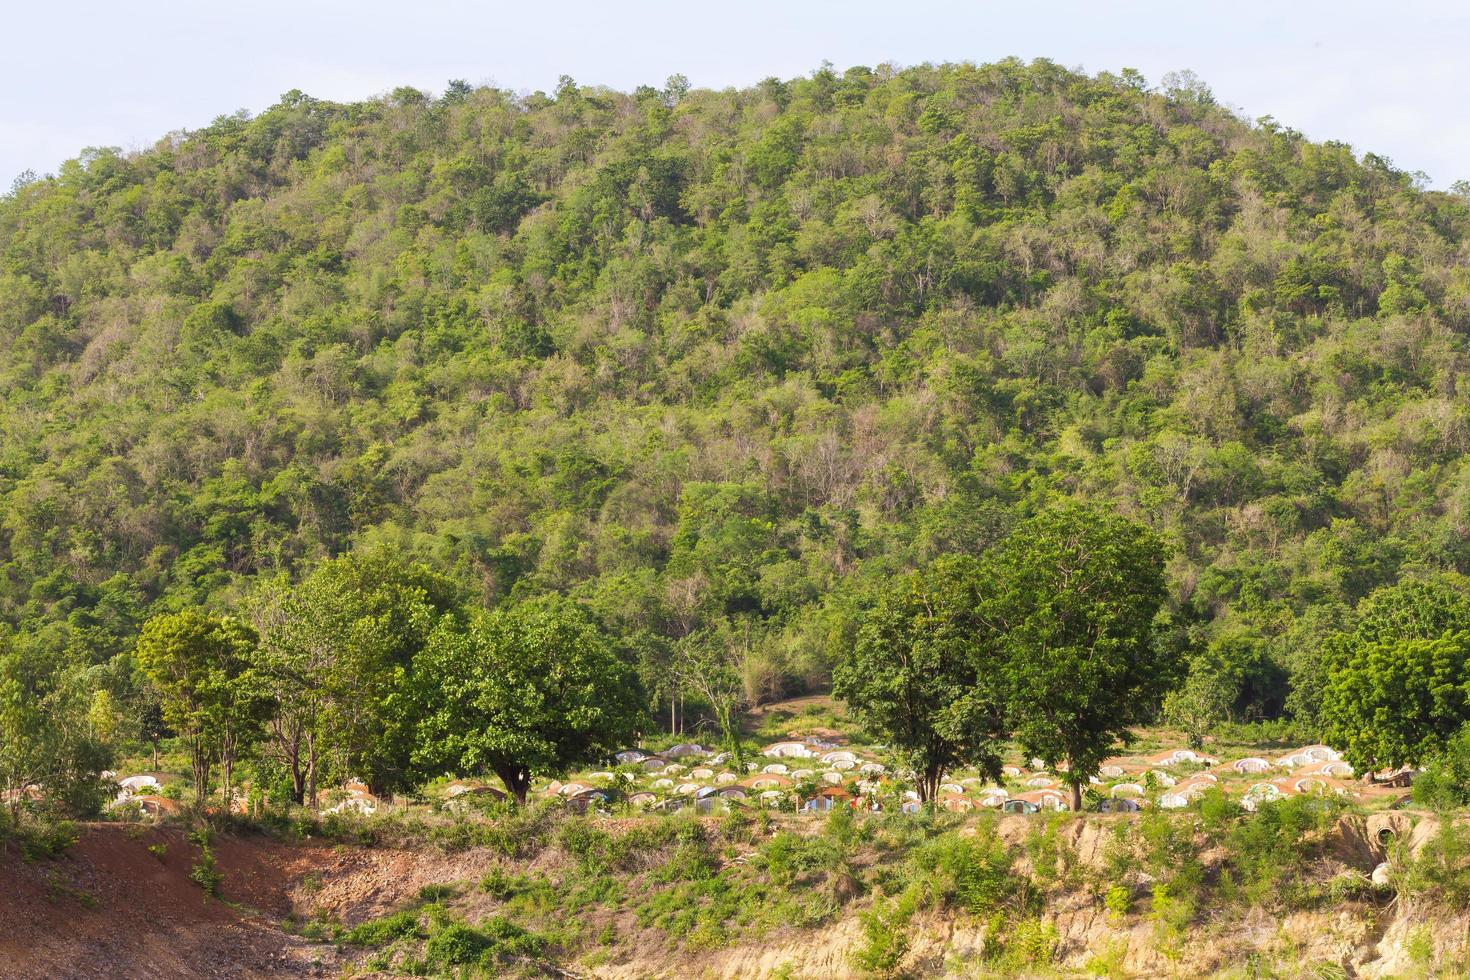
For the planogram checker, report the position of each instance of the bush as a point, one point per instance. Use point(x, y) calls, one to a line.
point(456, 945)
point(1269, 848)
point(1445, 782)
point(1441, 872)
point(885, 938)
point(498, 939)
point(381, 932)
point(1028, 944)
point(437, 892)
point(42, 838)
point(204, 874)
point(972, 873)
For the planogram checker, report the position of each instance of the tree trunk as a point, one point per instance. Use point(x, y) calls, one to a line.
point(288, 738)
point(1076, 796)
point(928, 783)
point(517, 779)
point(199, 762)
point(155, 755)
point(311, 771)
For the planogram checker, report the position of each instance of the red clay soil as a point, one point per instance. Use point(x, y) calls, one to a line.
point(108, 907)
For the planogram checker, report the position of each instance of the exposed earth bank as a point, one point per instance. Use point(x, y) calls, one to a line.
point(121, 904)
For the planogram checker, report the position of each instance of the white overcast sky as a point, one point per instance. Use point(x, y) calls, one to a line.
point(1391, 76)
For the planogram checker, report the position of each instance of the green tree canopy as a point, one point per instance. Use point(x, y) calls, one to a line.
point(1417, 609)
point(926, 678)
point(532, 689)
point(337, 652)
point(45, 739)
point(1396, 702)
point(1076, 593)
point(203, 668)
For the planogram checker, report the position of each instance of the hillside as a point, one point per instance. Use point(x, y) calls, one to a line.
point(715, 363)
point(756, 896)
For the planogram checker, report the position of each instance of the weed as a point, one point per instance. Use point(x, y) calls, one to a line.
point(205, 874)
point(437, 892)
point(1117, 901)
point(42, 839)
point(885, 938)
point(496, 941)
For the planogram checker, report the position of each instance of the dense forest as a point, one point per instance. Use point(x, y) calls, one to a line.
point(715, 366)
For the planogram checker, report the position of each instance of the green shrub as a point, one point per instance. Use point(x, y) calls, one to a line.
point(437, 892)
point(969, 872)
point(1117, 901)
point(41, 838)
point(456, 945)
point(1445, 782)
point(1027, 944)
point(494, 942)
point(1441, 872)
point(885, 938)
point(204, 873)
point(381, 932)
point(1270, 848)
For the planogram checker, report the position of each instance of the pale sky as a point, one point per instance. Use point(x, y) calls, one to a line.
point(1390, 76)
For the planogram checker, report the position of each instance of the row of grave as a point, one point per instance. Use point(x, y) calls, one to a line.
point(691, 775)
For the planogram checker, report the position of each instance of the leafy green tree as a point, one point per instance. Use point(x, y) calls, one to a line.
point(926, 678)
point(1077, 590)
point(1418, 609)
point(749, 347)
point(1200, 703)
point(708, 665)
point(532, 689)
point(337, 653)
point(1397, 702)
point(203, 669)
point(45, 738)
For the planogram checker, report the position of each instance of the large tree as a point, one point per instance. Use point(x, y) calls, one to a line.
point(532, 689)
point(1392, 703)
point(926, 678)
point(1416, 609)
point(203, 667)
point(1076, 590)
point(337, 650)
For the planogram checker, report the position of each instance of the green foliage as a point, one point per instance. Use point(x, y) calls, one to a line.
point(885, 938)
point(532, 689)
point(971, 872)
point(1445, 782)
point(1391, 703)
point(719, 364)
point(211, 694)
point(46, 740)
point(1270, 848)
point(337, 652)
point(380, 932)
point(1077, 591)
point(1441, 870)
point(204, 873)
point(923, 675)
point(41, 838)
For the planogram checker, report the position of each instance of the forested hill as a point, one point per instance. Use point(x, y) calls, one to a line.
point(716, 363)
